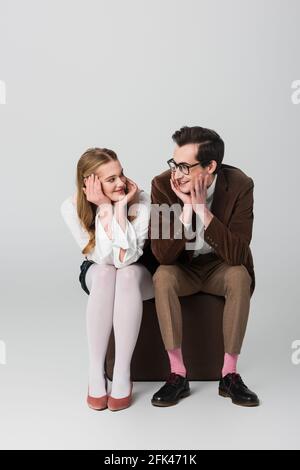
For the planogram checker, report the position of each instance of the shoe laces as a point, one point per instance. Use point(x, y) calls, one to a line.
point(236, 378)
point(172, 379)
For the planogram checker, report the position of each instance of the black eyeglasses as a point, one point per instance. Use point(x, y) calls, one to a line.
point(183, 167)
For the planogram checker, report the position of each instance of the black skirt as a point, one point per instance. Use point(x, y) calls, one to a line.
point(147, 259)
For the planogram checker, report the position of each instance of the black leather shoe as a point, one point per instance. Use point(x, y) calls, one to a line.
point(233, 387)
point(175, 388)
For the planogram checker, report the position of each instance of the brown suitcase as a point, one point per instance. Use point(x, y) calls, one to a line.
point(202, 346)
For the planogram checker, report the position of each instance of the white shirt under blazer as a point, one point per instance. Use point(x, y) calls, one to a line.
point(106, 250)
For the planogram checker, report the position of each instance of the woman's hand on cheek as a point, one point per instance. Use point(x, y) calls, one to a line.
point(94, 192)
point(132, 192)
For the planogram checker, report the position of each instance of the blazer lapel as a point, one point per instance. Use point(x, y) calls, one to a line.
point(221, 196)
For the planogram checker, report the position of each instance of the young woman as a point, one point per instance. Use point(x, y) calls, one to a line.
point(109, 217)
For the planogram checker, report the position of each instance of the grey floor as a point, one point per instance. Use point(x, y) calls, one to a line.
point(43, 389)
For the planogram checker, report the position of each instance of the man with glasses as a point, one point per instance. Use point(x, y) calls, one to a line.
point(211, 255)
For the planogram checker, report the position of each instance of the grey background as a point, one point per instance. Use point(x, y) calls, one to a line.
point(125, 75)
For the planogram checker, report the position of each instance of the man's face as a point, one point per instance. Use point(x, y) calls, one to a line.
point(187, 154)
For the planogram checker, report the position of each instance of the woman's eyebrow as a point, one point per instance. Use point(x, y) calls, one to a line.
point(112, 176)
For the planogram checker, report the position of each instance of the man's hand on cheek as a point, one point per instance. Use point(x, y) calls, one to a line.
point(198, 196)
point(185, 198)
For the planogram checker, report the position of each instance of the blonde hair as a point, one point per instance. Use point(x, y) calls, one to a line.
point(88, 163)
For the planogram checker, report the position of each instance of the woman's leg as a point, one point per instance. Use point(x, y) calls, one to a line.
point(133, 285)
point(100, 281)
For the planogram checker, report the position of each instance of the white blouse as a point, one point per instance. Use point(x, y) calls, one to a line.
point(106, 250)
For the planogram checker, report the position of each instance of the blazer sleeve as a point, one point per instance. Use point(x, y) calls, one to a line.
point(231, 243)
point(165, 250)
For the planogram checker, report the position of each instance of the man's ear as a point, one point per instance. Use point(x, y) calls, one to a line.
point(212, 166)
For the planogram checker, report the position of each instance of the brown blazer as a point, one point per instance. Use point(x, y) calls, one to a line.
point(230, 231)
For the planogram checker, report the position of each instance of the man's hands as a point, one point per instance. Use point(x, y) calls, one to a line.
point(185, 198)
point(196, 199)
point(94, 192)
point(199, 196)
point(199, 192)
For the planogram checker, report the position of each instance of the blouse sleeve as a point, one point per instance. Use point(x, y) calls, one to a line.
point(133, 238)
point(69, 214)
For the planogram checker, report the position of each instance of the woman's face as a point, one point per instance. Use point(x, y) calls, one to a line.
point(112, 179)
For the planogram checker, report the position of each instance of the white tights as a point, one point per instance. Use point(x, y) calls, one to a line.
point(115, 300)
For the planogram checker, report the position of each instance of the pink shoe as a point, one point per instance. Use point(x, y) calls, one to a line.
point(99, 403)
point(117, 404)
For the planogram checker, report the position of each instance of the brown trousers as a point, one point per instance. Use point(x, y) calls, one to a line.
point(210, 275)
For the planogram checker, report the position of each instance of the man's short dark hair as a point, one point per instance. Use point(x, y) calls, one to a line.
point(211, 145)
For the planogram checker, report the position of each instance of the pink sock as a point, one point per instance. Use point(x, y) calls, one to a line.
point(176, 362)
point(229, 366)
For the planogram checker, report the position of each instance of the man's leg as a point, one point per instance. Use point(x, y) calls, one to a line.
point(171, 282)
point(233, 283)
